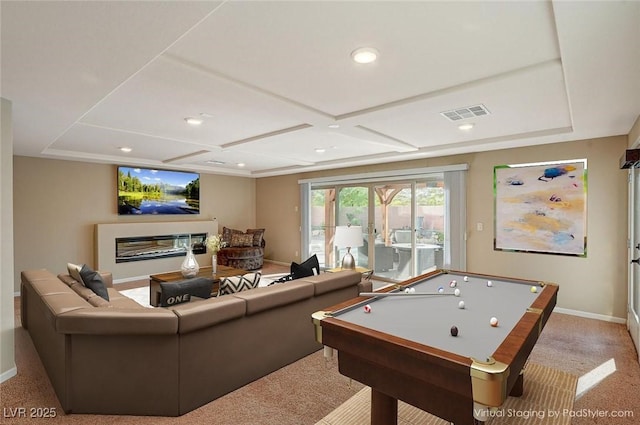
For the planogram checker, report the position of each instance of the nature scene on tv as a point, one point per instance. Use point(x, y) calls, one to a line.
point(151, 191)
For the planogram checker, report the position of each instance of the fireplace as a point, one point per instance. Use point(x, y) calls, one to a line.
point(153, 241)
point(140, 248)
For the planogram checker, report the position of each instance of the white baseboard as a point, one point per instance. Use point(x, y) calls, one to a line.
point(4, 376)
point(280, 263)
point(588, 315)
point(130, 279)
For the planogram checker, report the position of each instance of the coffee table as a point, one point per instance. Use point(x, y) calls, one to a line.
point(175, 276)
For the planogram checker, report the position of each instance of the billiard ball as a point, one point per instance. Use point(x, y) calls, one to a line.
point(367, 308)
point(466, 278)
point(454, 331)
point(412, 290)
point(489, 283)
point(461, 304)
point(407, 290)
point(453, 284)
point(440, 289)
point(534, 289)
point(493, 322)
point(456, 292)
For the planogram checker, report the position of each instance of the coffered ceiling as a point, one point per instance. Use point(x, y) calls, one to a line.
point(277, 90)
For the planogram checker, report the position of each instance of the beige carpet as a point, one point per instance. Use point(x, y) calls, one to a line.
point(548, 398)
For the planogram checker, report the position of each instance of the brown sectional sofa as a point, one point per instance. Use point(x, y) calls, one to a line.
point(118, 357)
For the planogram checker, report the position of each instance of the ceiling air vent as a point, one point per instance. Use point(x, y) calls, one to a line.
point(466, 112)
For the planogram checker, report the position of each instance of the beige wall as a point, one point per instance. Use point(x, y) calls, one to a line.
point(595, 284)
point(7, 354)
point(634, 134)
point(57, 204)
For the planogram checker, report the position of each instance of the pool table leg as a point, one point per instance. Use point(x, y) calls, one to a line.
point(518, 387)
point(384, 409)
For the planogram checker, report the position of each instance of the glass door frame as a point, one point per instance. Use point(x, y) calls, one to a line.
point(633, 304)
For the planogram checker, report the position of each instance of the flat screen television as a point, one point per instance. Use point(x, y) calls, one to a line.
point(153, 191)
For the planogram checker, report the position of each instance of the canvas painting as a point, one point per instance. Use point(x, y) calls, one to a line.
point(541, 207)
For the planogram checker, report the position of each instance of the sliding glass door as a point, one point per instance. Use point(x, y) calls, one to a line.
point(403, 225)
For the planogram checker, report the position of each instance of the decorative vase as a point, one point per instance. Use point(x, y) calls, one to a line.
point(190, 267)
point(214, 263)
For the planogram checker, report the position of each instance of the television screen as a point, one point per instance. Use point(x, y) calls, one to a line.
point(153, 191)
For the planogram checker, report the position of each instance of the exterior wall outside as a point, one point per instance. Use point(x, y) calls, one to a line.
point(58, 203)
point(596, 284)
point(7, 350)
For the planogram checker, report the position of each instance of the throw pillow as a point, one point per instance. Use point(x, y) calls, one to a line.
point(74, 271)
point(233, 284)
point(93, 281)
point(227, 233)
point(310, 267)
point(173, 293)
point(239, 240)
point(258, 235)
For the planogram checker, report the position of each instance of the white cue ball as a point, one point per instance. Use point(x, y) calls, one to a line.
point(461, 304)
point(466, 278)
point(456, 292)
point(493, 322)
point(489, 283)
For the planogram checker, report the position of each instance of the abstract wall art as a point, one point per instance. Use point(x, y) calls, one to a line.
point(541, 207)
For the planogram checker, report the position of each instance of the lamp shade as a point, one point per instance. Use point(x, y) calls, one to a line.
point(348, 236)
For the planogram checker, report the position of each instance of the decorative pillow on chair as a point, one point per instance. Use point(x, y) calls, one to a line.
point(233, 284)
point(310, 267)
point(258, 235)
point(92, 280)
point(227, 233)
point(173, 293)
point(239, 240)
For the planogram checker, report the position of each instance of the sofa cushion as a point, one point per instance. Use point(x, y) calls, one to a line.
point(179, 292)
point(309, 267)
point(234, 284)
point(261, 299)
point(328, 282)
point(203, 314)
point(93, 281)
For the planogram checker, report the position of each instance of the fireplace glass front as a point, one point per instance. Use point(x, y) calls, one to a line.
point(152, 247)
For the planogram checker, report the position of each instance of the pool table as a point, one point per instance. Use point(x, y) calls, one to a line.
point(402, 344)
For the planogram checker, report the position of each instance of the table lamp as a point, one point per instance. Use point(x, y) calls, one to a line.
point(348, 237)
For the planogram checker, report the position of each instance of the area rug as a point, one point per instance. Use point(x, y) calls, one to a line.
point(141, 295)
point(548, 399)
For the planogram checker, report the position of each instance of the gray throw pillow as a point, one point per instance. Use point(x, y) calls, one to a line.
point(92, 280)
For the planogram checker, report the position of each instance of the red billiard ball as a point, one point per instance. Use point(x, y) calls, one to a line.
point(367, 308)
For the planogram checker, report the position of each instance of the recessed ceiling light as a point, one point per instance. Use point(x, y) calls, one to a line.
point(466, 127)
point(240, 164)
point(215, 162)
point(125, 149)
point(320, 150)
point(334, 126)
point(193, 121)
point(365, 55)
